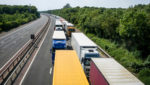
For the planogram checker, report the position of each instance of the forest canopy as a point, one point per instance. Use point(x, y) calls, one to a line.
point(13, 16)
point(123, 33)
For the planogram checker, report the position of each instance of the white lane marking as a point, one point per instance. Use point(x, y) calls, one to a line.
point(34, 57)
point(50, 70)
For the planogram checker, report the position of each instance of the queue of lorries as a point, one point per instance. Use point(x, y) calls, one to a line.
point(83, 65)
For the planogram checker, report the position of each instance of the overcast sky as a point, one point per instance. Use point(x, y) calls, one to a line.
point(57, 4)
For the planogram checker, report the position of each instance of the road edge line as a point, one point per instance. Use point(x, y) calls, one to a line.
point(34, 56)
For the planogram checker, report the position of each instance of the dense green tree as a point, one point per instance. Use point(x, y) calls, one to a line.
point(123, 33)
point(13, 16)
point(67, 6)
point(134, 29)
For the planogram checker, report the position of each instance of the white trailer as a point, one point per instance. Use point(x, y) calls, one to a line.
point(107, 71)
point(85, 48)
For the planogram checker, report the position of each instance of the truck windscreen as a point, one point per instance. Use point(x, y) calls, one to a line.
point(58, 26)
point(87, 61)
point(88, 58)
point(91, 55)
point(72, 30)
point(59, 41)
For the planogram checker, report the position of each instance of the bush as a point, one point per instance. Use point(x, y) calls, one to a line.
point(16, 15)
point(14, 23)
point(147, 62)
point(121, 54)
point(1, 25)
point(123, 33)
point(7, 25)
point(144, 75)
point(0, 29)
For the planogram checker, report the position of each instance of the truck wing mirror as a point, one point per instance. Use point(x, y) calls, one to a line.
point(50, 50)
point(82, 60)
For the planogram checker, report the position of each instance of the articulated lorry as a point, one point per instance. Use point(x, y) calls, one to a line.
point(85, 48)
point(67, 69)
point(107, 71)
point(58, 25)
point(58, 42)
point(69, 28)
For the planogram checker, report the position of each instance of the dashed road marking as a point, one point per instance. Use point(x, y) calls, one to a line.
point(50, 71)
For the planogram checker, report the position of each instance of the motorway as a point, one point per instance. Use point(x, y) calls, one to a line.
point(12, 42)
point(41, 69)
point(40, 72)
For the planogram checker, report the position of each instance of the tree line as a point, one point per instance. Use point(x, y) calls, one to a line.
point(13, 16)
point(123, 33)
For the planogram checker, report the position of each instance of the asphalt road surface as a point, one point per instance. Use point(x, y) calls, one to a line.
point(11, 43)
point(41, 70)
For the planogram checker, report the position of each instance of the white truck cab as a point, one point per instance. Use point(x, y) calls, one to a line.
point(86, 55)
point(58, 25)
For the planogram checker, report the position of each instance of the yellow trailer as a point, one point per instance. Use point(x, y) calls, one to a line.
point(67, 69)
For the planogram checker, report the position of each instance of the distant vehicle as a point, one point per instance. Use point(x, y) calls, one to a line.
point(64, 24)
point(58, 42)
point(69, 28)
point(107, 71)
point(67, 69)
point(62, 20)
point(58, 25)
point(57, 17)
point(85, 48)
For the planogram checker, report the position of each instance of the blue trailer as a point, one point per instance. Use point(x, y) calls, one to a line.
point(58, 42)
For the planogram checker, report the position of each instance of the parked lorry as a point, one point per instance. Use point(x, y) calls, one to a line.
point(58, 25)
point(107, 71)
point(67, 69)
point(58, 42)
point(69, 28)
point(64, 24)
point(85, 48)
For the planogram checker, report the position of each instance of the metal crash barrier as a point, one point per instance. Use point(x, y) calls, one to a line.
point(10, 71)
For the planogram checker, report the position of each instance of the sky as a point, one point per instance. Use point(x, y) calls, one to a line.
point(57, 4)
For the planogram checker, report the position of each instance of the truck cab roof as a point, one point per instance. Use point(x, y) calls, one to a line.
point(91, 51)
point(65, 22)
point(59, 35)
point(70, 24)
point(58, 22)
